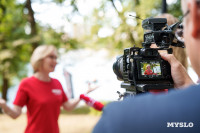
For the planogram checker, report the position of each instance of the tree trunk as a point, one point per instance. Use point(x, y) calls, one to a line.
point(5, 87)
point(31, 20)
point(164, 6)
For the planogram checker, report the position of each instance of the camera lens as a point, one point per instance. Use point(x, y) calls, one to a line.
point(118, 67)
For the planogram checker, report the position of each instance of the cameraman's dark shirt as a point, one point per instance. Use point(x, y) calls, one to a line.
point(175, 112)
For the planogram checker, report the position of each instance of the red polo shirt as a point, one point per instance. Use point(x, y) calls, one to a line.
point(148, 72)
point(43, 101)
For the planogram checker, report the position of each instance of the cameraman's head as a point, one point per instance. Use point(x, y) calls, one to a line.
point(191, 34)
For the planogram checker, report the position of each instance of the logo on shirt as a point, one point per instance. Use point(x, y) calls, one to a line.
point(56, 91)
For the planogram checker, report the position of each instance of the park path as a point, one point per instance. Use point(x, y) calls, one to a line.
point(67, 123)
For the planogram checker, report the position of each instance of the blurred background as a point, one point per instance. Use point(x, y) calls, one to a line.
point(89, 35)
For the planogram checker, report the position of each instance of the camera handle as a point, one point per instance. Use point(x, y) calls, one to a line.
point(125, 94)
point(120, 95)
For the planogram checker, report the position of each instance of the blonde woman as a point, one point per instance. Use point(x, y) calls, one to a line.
point(42, 94)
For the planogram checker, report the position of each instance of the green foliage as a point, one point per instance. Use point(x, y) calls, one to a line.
point(50, 36)
point(85, 110)
point(80, 110)
point(96, 112)
point(16, 44)
point(175, 9)
point(125, 34)
point(13, 56)
point(59, 1)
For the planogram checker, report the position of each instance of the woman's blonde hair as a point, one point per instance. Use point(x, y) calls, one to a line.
point(40, 53)
point(148, 65)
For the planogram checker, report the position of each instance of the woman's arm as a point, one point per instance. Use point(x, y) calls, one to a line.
point(71, 104)
point(12, 112)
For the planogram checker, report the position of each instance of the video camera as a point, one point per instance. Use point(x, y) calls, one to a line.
point(143, 69)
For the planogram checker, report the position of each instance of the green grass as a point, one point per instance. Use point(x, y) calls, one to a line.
point(84, 110)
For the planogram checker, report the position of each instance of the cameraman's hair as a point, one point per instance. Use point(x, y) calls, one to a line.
point(40, 53)
point(170, 18)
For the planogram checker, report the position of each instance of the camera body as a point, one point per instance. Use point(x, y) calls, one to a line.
point(143, 69)
point(136, 76)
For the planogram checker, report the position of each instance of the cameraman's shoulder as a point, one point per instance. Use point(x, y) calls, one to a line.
point(111, 105)
point(195, 86)
point(127, 103)
point(193, 90)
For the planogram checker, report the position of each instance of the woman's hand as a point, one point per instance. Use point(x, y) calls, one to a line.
point(72, 103)
point(2, 102)
point(12, 112)
point(90, 88)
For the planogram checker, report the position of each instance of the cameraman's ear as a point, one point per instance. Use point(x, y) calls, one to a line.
point(195, 16)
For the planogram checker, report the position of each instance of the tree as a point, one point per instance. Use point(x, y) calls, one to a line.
point(13, 51)
point(31, 20)
point(126, 31)
point(16, 45)
point(175, 9)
